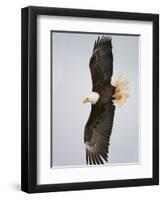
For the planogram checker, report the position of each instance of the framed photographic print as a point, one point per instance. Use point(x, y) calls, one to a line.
point(90, 99)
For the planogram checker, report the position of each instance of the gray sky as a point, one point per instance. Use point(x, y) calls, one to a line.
point(72, 81)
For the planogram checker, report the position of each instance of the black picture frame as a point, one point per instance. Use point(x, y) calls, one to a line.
point(29, 98)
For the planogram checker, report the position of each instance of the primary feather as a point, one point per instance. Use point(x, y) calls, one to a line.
point(99, 125)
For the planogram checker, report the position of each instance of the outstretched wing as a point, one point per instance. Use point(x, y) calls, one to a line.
point(99, 126)
point(101, 62)
point(97, 133)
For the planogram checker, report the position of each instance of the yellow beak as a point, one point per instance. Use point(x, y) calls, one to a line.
point(86, 100)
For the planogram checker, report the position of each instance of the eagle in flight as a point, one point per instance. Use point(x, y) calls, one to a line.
point(105, 95)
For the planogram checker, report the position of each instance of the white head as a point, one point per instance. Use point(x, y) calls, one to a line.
point(92, 98)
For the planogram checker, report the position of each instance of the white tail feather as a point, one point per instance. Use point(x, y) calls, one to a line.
point(121, 85)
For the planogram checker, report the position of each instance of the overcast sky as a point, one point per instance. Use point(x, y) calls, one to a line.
point(72, 81)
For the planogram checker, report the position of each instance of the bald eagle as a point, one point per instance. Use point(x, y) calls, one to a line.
point(105, 95)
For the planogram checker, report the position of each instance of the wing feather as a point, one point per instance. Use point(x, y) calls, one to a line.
point(90, 158)
point(101, 162)
point(87, 153)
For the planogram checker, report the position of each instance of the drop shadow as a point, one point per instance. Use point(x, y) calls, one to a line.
point(15, 186)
